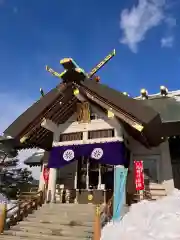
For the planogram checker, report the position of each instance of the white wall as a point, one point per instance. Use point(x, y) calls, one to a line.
point(97, 124)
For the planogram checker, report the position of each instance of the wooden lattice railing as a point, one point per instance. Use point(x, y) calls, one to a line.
point(27, 203)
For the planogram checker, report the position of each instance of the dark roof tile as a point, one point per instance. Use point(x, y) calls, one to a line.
point(25, 119)
point(136, 108)
point(168, 107)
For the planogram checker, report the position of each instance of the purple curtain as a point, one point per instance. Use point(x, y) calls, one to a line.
point(112, 153)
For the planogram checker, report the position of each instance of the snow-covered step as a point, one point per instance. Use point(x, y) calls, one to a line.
point(155, 191)
point(156, 186)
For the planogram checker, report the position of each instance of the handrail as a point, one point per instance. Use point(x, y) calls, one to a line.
point(10, 209)
point(102, 218)
point(23, 209)
point(33, 188)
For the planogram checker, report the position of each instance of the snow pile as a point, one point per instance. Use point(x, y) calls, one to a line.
point(159, 220)
point(11, 205)
point(3, 198)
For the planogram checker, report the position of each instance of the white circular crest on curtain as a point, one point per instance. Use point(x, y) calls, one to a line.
point(68, 155)
point(97, 153)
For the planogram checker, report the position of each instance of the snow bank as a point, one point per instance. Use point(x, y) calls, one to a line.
point(159, 220)
point(11, 204)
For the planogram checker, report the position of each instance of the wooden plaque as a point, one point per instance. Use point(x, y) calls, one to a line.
point(83, 112)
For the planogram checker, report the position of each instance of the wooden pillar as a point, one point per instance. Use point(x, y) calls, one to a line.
point(97, 224)
point(76, 182)
point(76, 176)
point(3, 209)
point(41, 179)
point(87, 174)
point(52, 185)
point(99, 177)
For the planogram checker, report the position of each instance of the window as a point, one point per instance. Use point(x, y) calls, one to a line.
point(151, 166)
point(101, 133)
point(71, 136)
point(150, 170)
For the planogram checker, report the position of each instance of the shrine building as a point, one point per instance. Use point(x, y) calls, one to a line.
point(85, 129)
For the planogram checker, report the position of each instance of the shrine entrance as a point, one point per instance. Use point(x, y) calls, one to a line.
point(94, 177)
point(101, 176)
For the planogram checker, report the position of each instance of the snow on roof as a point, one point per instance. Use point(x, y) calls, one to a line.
point(35, 157)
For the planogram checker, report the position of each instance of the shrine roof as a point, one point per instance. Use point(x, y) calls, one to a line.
point(35, 159)
point(56, 105)
point(137, 109)
point(60, 103)
point(169, 110)
point(168, 107)
point(145, 120)
point(33, 112)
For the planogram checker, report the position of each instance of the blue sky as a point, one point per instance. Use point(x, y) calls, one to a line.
point(145, 34)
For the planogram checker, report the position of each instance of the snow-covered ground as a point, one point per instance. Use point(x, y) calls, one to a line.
point(158, 220)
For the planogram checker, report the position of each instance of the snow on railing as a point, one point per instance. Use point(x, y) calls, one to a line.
point(11, 213)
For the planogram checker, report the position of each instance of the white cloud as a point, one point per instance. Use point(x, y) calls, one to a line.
point(135, 23)
point(11, 106)
point(167, 42)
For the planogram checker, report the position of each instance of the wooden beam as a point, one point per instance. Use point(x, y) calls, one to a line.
point(49, 125)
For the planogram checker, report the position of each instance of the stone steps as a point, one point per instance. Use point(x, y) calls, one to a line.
point(154, 191)
point(68, 206)
point(64, 215)
point(25, 232)
point(27, 235)
point(55, 221)
point(6, 237)
point(47, 227)
point(60, 221)
point(83, 213)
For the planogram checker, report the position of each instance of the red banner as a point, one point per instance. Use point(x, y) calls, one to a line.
point(139, 175)
point(46, 174)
